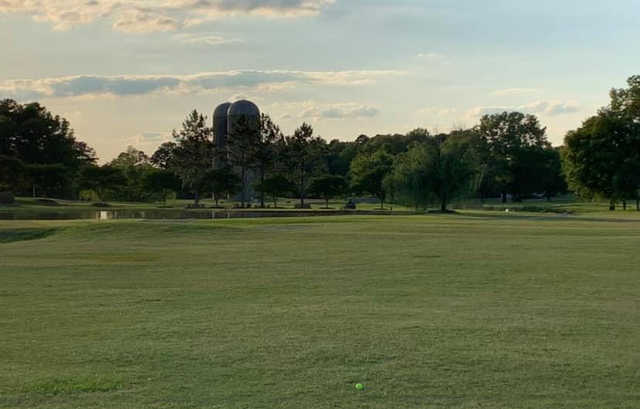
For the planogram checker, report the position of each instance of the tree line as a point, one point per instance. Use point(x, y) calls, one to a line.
point(505, 155)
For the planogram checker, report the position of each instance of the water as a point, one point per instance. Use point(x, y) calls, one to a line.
point(169, 214)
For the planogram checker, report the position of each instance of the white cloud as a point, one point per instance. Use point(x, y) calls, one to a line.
point(143, 16)
point(315, 111)
point(546, 108)
point(204, 39)
point(510, 92)
point(127, 85)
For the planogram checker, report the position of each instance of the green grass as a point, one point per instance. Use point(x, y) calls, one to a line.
point(469, 311)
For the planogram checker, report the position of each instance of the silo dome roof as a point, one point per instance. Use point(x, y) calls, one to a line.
point(244, 107)
point(221, 110)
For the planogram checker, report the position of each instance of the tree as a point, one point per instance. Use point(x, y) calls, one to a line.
point(512, 138)
point(301, 154)
point(441, 169)
point(34, 136)
point(601, 154)
point(193, 154)
point(328, 187)
point(47, 180)
point(12, 172)
point(242, 143)
point(164, 156)
point(275, 186)
point(267, 149)
point(224, 182)
point(161, 182)
point(102, 179)
point(135, 165)
point(368, 172)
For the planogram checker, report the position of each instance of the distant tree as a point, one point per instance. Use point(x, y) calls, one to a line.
point(102, 179)
point(441, 169)
point(328, 187)
point(193, 154)
point(164, 156)
point(301, 153)
point(368, 172)
point(242, 144)
point(224, 182)
point(161, 182)
point(135, 165)
point(600, 156)
point(12, 173)
point(267, 150)
point(512, 139)
point(276, 186)
point(34, 136)
point(47, 180)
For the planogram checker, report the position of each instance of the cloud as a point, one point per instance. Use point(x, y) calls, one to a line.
point(204, 39)
point(337, 111)
point(510, 92)
point(144, 16)
point(547, 108)
point(127, 85)
point(433, 57)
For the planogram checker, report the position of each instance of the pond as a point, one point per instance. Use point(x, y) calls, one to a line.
point(168, 214)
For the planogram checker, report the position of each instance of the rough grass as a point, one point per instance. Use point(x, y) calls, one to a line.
point(425, 311)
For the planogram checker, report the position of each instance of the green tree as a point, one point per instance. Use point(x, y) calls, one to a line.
point(368, 171)
point(242, 144)
point(135, 165)
point(276, 186)
point(328, 187)
point(12, 173)
point(442, 169)
point(267, 150)
point(302, 152)
point(33, 135)
point(102, 179)
point(512, 139)
point(193, 154)
point(599, 156)
point(224, 182)
point(161, 183)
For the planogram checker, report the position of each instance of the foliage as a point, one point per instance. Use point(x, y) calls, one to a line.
point(161, 183)
point(303, 154)
point(102, 179)
point(275, 186)
point(192, 155)
point(224, 182)
point(513, 141)
point(442, 170)
point(328, 187)
point(368, 171)
point(242, 143)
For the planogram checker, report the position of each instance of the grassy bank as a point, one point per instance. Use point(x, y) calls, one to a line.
point(425, 311)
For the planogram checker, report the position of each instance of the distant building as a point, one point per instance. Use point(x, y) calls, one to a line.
point(225, 118)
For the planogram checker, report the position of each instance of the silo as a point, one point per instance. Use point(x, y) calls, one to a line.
point(243, 110)
point(220, 126)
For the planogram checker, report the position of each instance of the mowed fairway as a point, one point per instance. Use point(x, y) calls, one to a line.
point(425, 311)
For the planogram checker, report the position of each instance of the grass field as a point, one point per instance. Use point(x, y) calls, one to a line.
point(465, 311)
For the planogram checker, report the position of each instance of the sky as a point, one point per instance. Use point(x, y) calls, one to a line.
point(128, 72)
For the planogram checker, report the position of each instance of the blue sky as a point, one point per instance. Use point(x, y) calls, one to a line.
point(126, 73)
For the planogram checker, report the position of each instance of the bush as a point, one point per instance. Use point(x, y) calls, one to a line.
point(101, 204)
point(7, 198)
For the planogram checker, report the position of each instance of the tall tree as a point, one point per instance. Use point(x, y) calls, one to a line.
point(33, 135)
point(328, 187)
point(193, 154)
point(224, 182)
point(368, 171)
point(601, 154)
point(301, 153)
point(512, 138)
point(243, 142)
point(267, 150)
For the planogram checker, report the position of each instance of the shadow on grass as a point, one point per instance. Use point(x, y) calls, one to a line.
point(13, 235)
